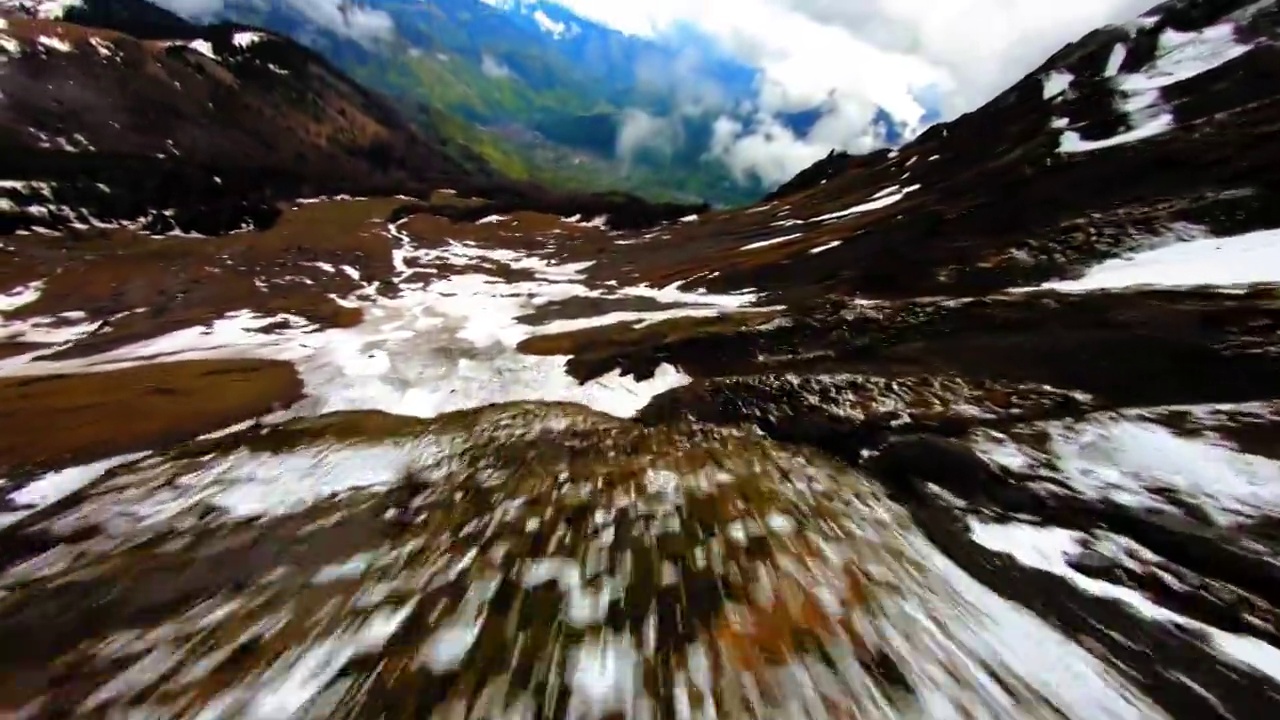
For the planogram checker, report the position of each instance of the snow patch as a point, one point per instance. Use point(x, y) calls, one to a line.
point(1049, 548)
point(881, 199)
point(774, 241)
point(1055, 83)
point(54, 43)
point(204, 47)
point(54, 486)
point(244, 39)
point(1226, 261)
point(1141, 464)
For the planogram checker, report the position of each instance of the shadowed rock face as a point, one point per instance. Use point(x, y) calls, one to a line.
point(1003, 445)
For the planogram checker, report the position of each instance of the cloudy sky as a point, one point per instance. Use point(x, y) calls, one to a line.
point(864, 54)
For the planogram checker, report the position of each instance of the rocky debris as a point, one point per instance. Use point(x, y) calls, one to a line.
point(450, 576)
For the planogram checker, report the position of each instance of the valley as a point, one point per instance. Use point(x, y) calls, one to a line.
point(306, 411)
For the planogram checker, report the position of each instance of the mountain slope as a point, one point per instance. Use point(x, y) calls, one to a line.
point(99, 123)
point(987, 427)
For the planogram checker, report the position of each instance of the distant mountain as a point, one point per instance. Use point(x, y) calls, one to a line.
point(541, 92)
point(117, 113)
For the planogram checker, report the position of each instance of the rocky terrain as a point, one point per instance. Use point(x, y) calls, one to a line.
point(985, 428)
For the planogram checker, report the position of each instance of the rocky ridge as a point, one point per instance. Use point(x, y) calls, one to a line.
point(984, 428)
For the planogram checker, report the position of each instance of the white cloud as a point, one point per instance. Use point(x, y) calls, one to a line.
point(856, 55)
point(641, 131)
point(362, 23)
point(493, 67)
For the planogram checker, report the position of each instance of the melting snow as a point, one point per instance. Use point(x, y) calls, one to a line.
point(1071, 142)
point(19, 296)
point(446, 345)
point(1250, 258)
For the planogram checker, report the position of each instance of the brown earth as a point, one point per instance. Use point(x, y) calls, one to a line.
point(139, 287)
point(54, 421)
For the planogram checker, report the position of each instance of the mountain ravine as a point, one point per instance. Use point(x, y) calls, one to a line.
point(986, 427)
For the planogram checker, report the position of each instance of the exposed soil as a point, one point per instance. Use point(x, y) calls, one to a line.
point(54, 421)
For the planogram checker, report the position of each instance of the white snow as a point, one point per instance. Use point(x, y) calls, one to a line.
point(204, 47)
point(54, 43)
point(882, 199)
point(1180, 56)
point(250, 484)
point(1055, 83)
point(605, 676)
point(1049, 548)
point(1185, 55)
point(552, 27)
point(1140, 463)
point(246, 38)
point(1226, 261)
point(53, 486)
point(22, 295)
point(1071, 142)
point(774, 241)
point(1114, 62)
point(446, 345)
